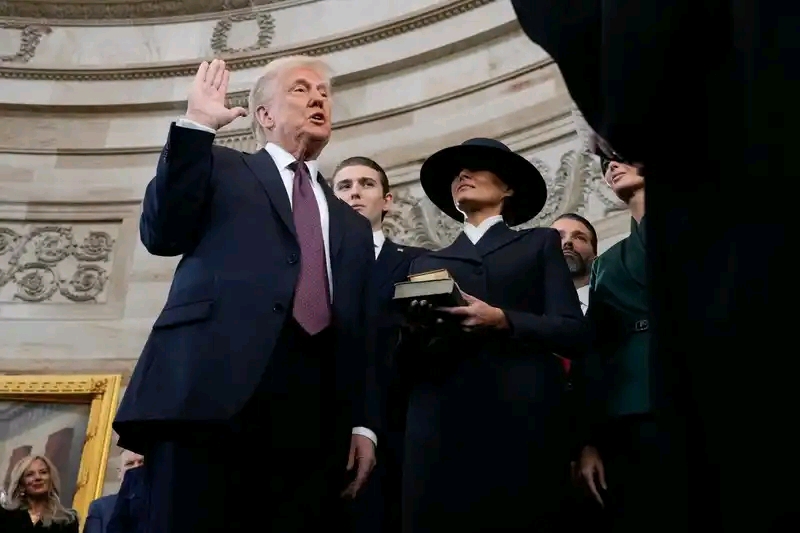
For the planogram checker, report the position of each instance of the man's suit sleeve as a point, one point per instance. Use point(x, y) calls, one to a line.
point(94, 520)
point(589, 380)
point(562, 326)
point(367, 400)
point(127, 514)
point(176, 198)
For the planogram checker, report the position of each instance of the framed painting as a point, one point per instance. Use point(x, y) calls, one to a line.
point(68, 420)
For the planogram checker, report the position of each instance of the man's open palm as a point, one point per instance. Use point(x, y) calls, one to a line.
point(207, 96)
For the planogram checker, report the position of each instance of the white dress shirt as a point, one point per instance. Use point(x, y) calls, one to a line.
point(378, 238)
point(474, 233)
point(583, 296)
point(283, 160)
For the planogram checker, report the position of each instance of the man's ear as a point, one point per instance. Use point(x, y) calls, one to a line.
point(264, 118)
point(388, 200)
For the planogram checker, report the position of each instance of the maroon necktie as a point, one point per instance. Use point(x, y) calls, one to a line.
point(312, 306)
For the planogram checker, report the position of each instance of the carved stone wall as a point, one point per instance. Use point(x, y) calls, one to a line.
point(51, 264)
point(30, 35)
point(265, 23)
point(118, 9)
point(83, 122)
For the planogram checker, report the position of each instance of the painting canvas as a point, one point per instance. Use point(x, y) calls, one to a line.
point(66, 418)
point(56, 430)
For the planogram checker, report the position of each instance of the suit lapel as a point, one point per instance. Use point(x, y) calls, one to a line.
point(390, 258)
point(268, 175)
point(497, 237)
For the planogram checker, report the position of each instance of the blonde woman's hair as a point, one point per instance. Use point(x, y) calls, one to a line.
point(54, 512)
point(265, 87)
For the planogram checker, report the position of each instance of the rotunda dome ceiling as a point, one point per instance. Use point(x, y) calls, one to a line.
point(85, 10)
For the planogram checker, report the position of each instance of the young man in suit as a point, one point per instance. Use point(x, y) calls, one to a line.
point(254, 375)
point(363, 184)
point(100, 509)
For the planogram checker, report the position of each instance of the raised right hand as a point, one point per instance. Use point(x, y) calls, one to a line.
point(206, 104)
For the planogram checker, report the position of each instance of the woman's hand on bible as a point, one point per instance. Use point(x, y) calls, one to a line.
point(421, 315)
point(478, 313)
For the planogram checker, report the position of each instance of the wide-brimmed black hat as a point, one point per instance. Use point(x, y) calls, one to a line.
point(439, 170)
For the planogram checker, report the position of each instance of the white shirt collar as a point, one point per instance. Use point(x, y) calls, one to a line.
point(284, 159)
point(474, 233)
point(378, 238)
point(583, 296)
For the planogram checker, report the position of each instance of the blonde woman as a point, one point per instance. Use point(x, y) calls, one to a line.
point(32, 499)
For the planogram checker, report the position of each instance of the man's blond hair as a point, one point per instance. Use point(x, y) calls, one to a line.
point(264, 89)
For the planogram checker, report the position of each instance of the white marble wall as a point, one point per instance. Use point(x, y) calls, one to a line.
point(119, 45)
point(77, 153)
point(354, 55)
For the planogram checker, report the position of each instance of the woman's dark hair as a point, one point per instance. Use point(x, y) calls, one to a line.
point(576, 217)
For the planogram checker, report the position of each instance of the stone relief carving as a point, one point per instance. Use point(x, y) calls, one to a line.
point(266, 31)
point(54, 263)
point(415, 221)
point(597, 186)
point(29, 41)
point(119, 9)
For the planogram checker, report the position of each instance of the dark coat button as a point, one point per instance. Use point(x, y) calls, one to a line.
point(278, 307)
point(292, 259)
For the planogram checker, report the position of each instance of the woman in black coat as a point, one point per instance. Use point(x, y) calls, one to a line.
point(486, 444)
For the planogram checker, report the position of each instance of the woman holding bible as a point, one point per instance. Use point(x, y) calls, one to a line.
point(486, 444)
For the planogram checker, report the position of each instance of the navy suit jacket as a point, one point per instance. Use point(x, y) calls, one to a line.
point(128, 513)
point(227, 213)
point(99, 514)
point(377, 507)
point(391, 267)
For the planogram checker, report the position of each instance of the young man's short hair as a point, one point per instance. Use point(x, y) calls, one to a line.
point(361, 161)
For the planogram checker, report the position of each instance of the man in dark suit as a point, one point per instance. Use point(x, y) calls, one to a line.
point(100, 509)
point(254, 376)
point(716, 251)
point(129, 514)
point(363, 184)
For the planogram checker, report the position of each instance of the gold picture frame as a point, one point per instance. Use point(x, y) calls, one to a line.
point(49, 394)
